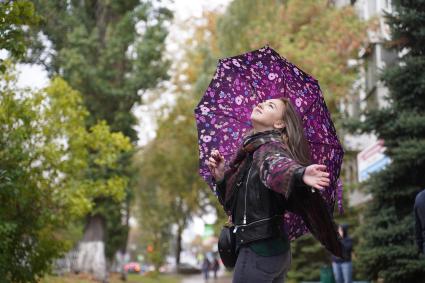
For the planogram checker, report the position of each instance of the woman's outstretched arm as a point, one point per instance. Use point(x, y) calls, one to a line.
point(277, 173)
point(281, 174)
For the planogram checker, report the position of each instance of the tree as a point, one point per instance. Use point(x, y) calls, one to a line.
point(387, 249)
point(15, 15)
point(47, 155)
point(170, 186)
point(171, 164)
point(154, 215)
point(111, 52)
point(316, 36)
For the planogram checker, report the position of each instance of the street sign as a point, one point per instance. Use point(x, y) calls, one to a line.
point(371, 159)
point(208, 231)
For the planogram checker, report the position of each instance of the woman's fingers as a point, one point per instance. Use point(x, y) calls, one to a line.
point(320, 167)
point(209, 165)
point(216, 155)
point(325, 180)
point(212, 162)
point(321, 173)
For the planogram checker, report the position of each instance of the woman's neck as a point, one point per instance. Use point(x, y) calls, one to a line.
point(259, 128)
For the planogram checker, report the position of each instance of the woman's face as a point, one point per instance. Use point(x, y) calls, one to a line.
point(268, 115)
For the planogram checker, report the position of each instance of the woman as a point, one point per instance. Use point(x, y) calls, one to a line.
point(256, 189)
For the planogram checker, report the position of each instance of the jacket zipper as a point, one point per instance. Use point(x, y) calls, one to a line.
point(246, 192)
point(244, 225)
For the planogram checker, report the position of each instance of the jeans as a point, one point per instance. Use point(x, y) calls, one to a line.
point(342, 272)
point(253, 268)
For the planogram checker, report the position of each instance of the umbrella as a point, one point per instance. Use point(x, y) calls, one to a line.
point(239, 84)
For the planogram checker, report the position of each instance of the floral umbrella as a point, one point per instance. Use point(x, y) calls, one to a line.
point(243, 81)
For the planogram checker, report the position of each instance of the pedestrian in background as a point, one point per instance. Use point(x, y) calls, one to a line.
point(419, 209)
point(342, 267)
point(206, 265)
point(215, 265)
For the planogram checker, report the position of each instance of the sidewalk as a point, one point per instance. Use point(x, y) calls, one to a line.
point(222, 277)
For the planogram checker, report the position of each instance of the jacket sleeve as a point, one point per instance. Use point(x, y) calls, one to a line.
point(221, 190)
point(418, 230)
point(280, 173)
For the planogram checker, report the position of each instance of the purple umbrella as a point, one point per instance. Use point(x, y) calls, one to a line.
point(238, 85)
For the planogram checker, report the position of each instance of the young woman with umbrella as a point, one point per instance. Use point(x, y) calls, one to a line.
point(256, 189)
point(269, 122)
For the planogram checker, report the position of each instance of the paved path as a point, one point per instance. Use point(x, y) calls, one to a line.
point(222, 278)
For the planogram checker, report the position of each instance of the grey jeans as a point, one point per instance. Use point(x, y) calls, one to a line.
point(253, 268)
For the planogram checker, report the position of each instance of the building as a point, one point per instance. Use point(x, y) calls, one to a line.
point(364, 153)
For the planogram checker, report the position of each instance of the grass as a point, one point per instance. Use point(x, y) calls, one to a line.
point(132, 278)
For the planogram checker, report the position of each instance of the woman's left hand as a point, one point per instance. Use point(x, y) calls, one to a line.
point(316, 176)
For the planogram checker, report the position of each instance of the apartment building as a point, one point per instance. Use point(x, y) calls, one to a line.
point(365, 154)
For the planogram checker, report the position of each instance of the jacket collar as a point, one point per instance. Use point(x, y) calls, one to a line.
point(254, 140)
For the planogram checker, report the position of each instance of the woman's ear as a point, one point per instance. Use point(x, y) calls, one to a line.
point(279, 124)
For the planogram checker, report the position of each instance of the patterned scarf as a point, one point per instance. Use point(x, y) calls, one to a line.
point(250, 143)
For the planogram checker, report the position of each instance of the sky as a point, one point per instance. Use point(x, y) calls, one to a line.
point(35, 76)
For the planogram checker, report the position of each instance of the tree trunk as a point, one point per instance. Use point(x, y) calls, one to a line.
point(179, 244)
point(91, 250)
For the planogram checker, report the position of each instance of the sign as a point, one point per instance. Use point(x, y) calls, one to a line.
point(208, 231)
point(371, 159)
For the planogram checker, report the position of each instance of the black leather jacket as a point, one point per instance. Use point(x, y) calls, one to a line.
point(256, 210)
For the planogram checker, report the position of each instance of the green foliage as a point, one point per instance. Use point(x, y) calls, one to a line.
point(153, 215)
point(46, 173)
point(314, 35)
point(110, 51)
point(388, 250)
point(15, 16)
point(171, 189)
point(308, 257)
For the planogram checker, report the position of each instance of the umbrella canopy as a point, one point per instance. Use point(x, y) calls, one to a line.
point(243, 81)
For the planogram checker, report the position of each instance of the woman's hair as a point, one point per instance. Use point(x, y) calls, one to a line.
point(293, 134)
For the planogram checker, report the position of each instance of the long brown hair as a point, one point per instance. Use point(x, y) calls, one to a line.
point(293, 134)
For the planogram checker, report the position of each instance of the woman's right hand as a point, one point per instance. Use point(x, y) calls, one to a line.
point(216, 165)
point(316, 176)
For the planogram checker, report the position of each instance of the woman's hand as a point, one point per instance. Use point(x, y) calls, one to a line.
point(316, 176)
point(216, 165)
